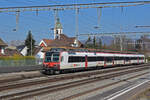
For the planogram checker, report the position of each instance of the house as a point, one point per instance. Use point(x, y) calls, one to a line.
point(22, 49)
point(12, 52)
point(6, 50)
point(37, 52)
point(3, 45)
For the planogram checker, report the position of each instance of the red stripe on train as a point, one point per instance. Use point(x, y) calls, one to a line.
point(86, 61)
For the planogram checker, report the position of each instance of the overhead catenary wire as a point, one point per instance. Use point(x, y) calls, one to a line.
point(142, 26)
point(115, 33)
point(74, 6)
point(86, 24)
point(20, 2)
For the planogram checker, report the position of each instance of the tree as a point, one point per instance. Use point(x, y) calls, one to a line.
point(87, 43)
point(100, 43)
point(94, 42)
point(30, 43)
point(138, 44)
point(88, 40)
point(104, 46)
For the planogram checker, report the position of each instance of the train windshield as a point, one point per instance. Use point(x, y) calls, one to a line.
point(52, 57)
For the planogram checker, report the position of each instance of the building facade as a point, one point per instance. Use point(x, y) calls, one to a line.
point(3, 45)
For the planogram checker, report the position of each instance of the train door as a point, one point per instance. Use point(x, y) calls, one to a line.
point(86, 61)
point(113, 61)
point(124, 60)
point(64, 60)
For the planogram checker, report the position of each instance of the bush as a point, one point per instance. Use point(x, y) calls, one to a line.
point(16, 57)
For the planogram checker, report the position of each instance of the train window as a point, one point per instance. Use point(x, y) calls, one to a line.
point(47, 59)
point(99, 58)
point(92, 59)
point(116, 58)
point(79, 59)
point(76, 59)
point(127, 58)
point(134, 58)
point(55, 57)
point(83, 59)
point(108, 59)
point(141, 58)
point(120, 58)
point(70, 59)
point(48, 54)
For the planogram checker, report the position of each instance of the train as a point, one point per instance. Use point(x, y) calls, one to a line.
point(58, 60)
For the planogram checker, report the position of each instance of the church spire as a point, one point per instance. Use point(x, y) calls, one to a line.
point(58, 29)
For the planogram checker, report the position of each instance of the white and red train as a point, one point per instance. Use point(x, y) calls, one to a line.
point(59, 59)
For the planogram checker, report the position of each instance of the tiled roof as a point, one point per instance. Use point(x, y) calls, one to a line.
point(47, 41)
point(63, 41)
point(2, 43)
point(20, 47)
point(66, 38)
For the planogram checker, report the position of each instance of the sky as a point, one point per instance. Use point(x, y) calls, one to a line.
point(111, 20)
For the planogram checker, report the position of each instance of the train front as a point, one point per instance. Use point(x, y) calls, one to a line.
point(51, 64)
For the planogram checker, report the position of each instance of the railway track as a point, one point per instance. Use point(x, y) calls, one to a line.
point(18, 76)
point(59, 87)
point(20, 84)
point(101, 87)
point(23, 77)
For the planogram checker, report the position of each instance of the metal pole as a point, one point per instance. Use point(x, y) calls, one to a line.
point(17, 20)
point(99, 14)
point(77, 28)
point(121, 44)
point(121, 48)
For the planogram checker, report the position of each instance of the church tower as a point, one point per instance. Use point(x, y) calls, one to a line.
point(58, 29)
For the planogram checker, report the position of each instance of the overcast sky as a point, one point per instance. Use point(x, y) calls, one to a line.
point(111, 20)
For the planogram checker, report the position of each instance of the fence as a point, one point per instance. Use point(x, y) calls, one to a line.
point(20, 62)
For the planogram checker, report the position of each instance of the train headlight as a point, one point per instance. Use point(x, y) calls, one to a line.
point(57, 65)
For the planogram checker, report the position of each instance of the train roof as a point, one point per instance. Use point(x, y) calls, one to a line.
point(58, 49)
